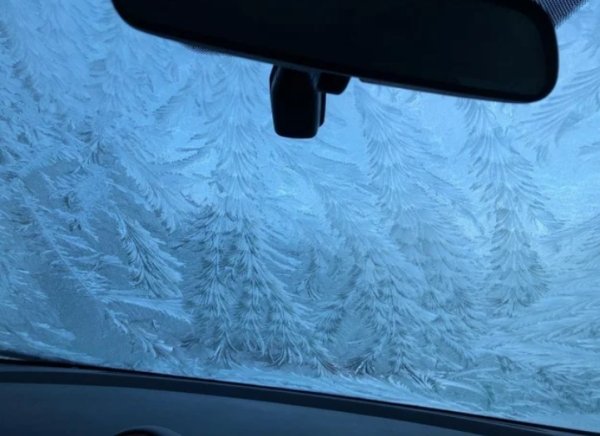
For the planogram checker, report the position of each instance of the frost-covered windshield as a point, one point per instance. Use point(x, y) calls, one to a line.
point(423, 249)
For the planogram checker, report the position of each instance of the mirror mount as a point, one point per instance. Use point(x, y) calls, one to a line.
point(299, 98)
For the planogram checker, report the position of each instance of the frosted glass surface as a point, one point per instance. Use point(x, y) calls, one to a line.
point(423, 249)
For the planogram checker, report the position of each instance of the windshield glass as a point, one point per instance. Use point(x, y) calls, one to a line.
point(423, 249)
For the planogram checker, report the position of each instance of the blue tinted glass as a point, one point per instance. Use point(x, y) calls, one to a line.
point(423, 249)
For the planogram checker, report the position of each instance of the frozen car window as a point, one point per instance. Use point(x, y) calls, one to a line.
point(423, 249)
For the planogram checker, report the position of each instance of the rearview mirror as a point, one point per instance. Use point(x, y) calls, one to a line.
point(494, 49)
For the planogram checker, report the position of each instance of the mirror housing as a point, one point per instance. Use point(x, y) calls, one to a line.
point(503, 50)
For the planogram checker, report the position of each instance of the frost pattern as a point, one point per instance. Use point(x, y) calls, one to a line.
point(423, 249)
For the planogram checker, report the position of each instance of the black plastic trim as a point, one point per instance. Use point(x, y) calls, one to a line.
point(60, 373)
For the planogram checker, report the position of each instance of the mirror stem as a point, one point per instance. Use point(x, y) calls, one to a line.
point(298, 100)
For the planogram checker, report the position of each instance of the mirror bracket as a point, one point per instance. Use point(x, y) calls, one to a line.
point(298, 100)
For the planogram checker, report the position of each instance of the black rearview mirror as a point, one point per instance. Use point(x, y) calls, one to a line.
point(494, 49)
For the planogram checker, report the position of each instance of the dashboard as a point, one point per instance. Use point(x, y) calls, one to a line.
point(46, 400)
